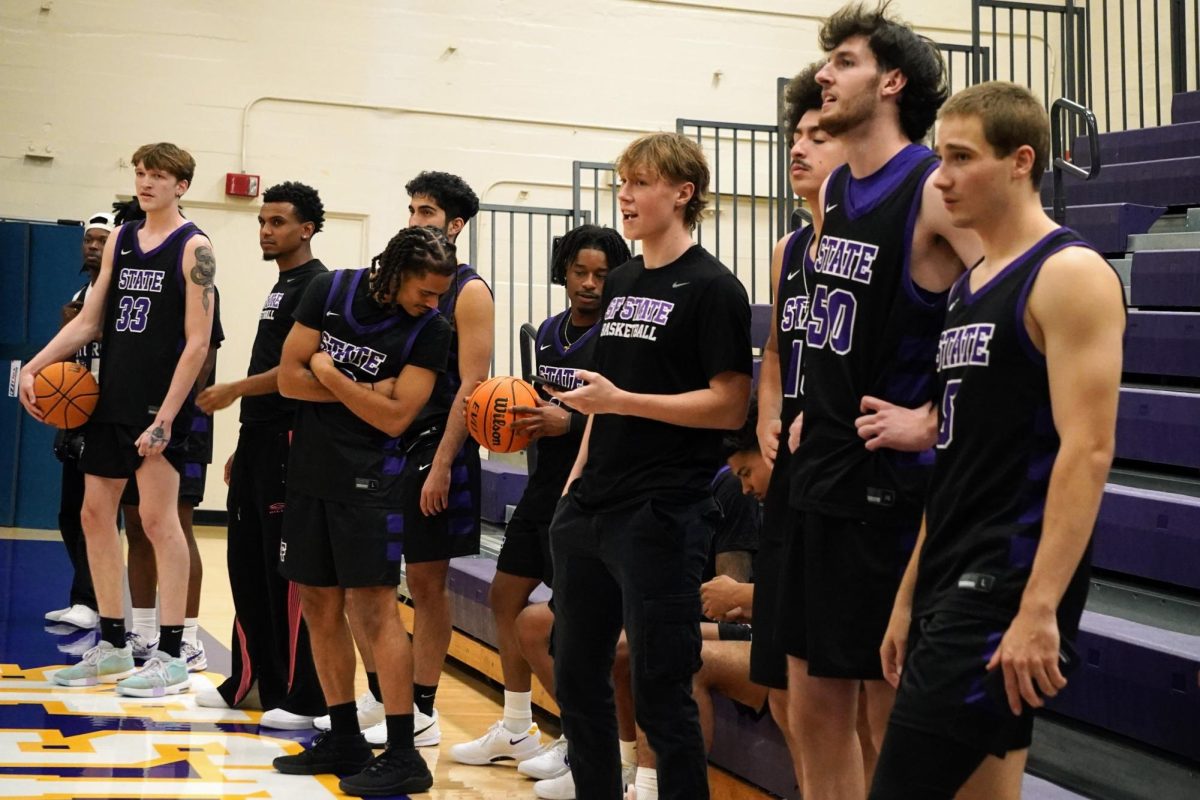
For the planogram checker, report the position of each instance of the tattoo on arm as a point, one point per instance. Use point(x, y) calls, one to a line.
point(205, 273)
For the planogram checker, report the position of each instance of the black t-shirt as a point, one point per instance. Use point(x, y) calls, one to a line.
point(143, 326)
point(335, 454)
point(870, 331)
point(663, 331)
point(89, 354)
point(274, 323)
point(740, 523)
point(997, 444)
point(560, 349)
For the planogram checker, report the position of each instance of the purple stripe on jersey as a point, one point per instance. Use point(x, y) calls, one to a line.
point(199, 424)
point(392, 444)
point(923, 298)
point(976, 694)
point(1034, 513)
point(1027, 344)
point(347, 311)
point(395, 551)
point(137, 246)
point(395, 523)
point(970, 296)
point(460, 500)
point(193, 470)
point(460, 526)
point(459, 475)
point(1040, 466)
point(333, 288)
point(393, 465)
point(863, 194)
point(1021, 550)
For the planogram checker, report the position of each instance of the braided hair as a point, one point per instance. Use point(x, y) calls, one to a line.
point(412, 251)
point(586, 237)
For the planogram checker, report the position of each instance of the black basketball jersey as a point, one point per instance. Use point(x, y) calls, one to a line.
point(274, 323)
point(143, 326)
point(663, 331)
point(440, 402)
point(557, 362)
point(791, 318)
point(996, 447)
point(870, 331)
point(335, 454)
point(89, 354)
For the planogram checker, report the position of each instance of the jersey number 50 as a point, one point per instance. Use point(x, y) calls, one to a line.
point(831, 319)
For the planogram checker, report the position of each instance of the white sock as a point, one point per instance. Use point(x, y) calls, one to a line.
point(647, 783)
point(191, 629)
point(518, 714)
point(144, 623)
point(628, 752)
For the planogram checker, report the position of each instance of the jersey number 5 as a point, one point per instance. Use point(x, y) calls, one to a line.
point(946, 428)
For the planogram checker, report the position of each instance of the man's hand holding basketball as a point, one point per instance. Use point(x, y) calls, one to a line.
point(596, 395)
point(544, 419)
point(27, 396)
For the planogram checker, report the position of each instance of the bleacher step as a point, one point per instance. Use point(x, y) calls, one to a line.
point(1149, 527)
point(1169, 182)
point(1166, 278)
point(1162, 343)
point(1142, 144)
point(1108, 226)
point(1185, 107)
point(1159, 426)
point(1176, 240)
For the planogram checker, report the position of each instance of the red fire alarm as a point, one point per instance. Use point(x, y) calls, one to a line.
point(241, 185)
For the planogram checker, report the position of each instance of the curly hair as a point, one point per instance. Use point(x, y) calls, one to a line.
point(746, 437)
point(412, 251)
point(802, 94)
point(304, 200)
point(586, 237)
point(450, 192)
point(896, 46)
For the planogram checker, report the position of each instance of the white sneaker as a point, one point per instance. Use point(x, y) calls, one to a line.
point(560, 788)
point(56, 614)
point(550, 763)
point(193, 655)
point(284, 720)
point(161, 675)
point(143, 648)
point(213, 699)
point(499, 744)
point(80, 616)
point(426, 730)
point(370, 713)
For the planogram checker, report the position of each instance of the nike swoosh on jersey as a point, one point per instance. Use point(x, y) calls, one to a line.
point(794, 274)
point(677, 284)
point(424, 467)
point(544, 347)
point(831, 208)
point(126, 252)
point(332, 314)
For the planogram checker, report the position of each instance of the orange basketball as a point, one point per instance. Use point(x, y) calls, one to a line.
point(490, 416)
point(66, 393)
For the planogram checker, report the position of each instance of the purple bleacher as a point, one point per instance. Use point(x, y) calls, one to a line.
point(751, 748)
point(1169, 182)
point(1142, 144)
point(1185, 107)
point(1137, 681)
point(1035, 788)
point(502, 485)
point(1150, 534)
point(1169, 278)
point(469, 580)
point(1159, 426)
point(1163, 343)
point(1107, 227)
point(760, 323)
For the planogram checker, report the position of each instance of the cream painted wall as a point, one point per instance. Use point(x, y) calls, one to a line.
point(504, 92)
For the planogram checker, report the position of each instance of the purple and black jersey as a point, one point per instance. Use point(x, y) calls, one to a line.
point(143, 326)
point(559, 356)
point(871, 331)
point(996, 447)
point(791, 320)
point(335, 454)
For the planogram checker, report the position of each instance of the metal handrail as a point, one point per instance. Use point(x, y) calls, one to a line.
point(1058, 110)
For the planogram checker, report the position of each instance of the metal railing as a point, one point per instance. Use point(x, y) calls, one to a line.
point(1060, 157)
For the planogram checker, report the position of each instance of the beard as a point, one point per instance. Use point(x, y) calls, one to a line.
point(849, 114)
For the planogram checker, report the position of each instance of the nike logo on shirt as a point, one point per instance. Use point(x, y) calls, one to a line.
point(332, 314)
point(424, 467)
point(831, 208)
point(677, 284)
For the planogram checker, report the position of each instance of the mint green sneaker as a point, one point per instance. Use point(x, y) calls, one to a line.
point(102, 664)
point(160, 675)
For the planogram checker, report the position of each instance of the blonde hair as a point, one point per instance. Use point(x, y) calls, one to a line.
point(675, 158)
point(168, 158)
point(1011, 117)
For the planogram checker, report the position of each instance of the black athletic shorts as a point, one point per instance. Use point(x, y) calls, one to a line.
point(526, 550)
point(109, 450)
point(839, 584)
point(768, 656)
point(946, 690)
point(455, 531)
point(326, 543)
point(192, 480)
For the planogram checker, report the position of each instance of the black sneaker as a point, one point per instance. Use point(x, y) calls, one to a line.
point(341, 755)
point(393, 771)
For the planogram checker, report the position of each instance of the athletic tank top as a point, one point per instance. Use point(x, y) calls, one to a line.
point(143, 327)
point(557, 363)
point(438, 408)
point(996, 446)
point(870, 331)
point(335, 454)
point(790, 320)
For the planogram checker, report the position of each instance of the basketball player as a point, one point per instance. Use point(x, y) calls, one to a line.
point(813, 155)
point(81, 610)
point(364, 356)
point(630, 536)
point(886, 256)
point(1029, 367)
point(565, 343)
point(153, 300)
point(271, 650)
point(442, 473)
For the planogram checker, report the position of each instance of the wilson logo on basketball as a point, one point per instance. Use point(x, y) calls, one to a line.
point(498, 422)
point(490, 413)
